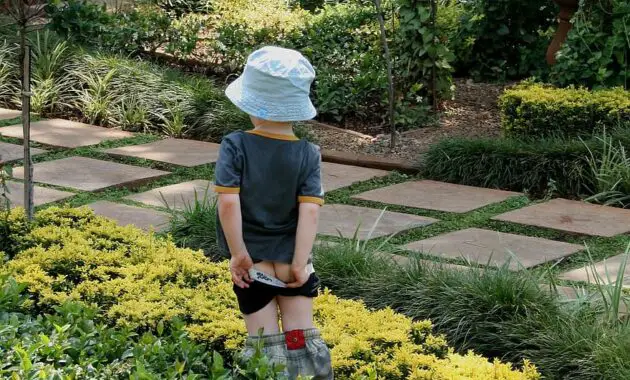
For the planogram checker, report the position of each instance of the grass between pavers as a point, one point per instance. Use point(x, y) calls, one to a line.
point(599, 248)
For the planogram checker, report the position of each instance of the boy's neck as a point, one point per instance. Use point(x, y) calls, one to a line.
point(275, 127)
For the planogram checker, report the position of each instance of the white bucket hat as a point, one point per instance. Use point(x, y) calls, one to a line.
point(275, 86)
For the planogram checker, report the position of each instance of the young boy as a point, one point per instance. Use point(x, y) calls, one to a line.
point(269, 194)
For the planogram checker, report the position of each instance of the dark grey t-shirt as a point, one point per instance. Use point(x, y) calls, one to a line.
point(272, 174)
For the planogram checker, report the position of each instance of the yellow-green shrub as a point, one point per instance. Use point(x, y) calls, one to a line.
point(538, 110)
point(139, 280)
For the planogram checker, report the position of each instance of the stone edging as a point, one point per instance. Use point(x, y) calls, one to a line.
point(372, 162)
point(337, 129)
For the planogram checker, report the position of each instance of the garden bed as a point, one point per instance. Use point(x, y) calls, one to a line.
point(473, 113)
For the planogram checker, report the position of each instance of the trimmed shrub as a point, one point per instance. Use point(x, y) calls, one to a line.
point(140, 281)
point(73, 342)
point(511, 165)
point(536, 110)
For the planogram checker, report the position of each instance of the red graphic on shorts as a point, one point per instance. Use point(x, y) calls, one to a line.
point(295, 339)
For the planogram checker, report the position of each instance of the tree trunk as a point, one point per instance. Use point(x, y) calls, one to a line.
point(26, 122)
point(434, 89)
point(390, 77)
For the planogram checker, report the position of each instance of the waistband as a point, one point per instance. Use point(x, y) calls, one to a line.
point(279, 339)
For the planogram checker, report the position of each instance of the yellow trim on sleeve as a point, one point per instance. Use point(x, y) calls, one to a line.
point(270, 135)
point(306, 199)
point(227, 190)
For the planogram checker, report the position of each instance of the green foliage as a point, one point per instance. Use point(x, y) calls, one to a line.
point(569, 168)
point(536, 110)
point(144, 28)
point(500, 39)
point(142, 283)
point(342, 41)
point(597, 50)
point(72, 342)
point(500, 312)
point(420, 49)
point(195, 226)
point(610, 168)
point(118, 92)
point(179, 8)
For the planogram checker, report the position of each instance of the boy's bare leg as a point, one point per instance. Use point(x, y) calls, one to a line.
point(267, 317)
point(296, 312)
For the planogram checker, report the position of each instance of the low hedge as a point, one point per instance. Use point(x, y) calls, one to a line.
point(551, 164)
point(536, 110)
point(510, 165)
point(139, 281)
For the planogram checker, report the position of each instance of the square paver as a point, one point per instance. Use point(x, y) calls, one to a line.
point(65, 133)
point(181, 152)
point(176, 196)
point(605, 271)
point(441, 196)
point(572, 216)
point(89, 174)
point(41, 195)
point(497, 248)
point(343, 219)
point(125, 215)
point(336, 176)
point(6, 114)
point(13, 152)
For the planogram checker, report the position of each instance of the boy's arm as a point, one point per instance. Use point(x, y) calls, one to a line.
point(229, 206)
point(227, 185)
point(306, 232)
point(310, 198)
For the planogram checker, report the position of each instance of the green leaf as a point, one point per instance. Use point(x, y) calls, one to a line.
point(503, 30)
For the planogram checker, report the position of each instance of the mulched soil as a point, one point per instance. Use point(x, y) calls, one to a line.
point(473, 113)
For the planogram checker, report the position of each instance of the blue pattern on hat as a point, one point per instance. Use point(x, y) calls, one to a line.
point(275, 85)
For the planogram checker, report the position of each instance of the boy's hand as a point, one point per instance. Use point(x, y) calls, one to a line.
point(300, 276)
point(239, 267)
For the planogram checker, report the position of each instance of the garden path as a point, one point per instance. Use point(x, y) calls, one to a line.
point(135, 182)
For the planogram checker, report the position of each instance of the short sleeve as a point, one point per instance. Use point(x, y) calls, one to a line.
point(227, 174)
point(311, 189)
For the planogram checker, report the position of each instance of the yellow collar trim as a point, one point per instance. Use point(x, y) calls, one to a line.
point(270, 135)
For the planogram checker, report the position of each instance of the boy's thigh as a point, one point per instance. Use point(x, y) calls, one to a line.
point(296, 312)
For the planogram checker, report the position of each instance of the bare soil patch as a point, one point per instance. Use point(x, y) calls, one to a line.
point(473, 113)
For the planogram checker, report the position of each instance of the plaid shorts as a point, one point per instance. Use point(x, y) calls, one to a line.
point(303, 352)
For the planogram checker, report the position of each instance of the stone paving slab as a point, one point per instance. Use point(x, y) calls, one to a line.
point(344, 219)
point(6, 114)
point(605, 271)
point(337, 176)
point(406, 261)
point(89, 174)
point(13, 152)
point(130, 215)
point(181, 152)
point(485, 246)
point(440, 196)
point(176, 196)
point(41, 195)
point(65, 134)
point(572, 216)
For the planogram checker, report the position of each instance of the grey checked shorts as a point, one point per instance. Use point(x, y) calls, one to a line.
point(303, 352)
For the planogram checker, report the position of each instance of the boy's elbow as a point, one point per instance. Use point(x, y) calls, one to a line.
point(310, 211)
point(228, 202)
